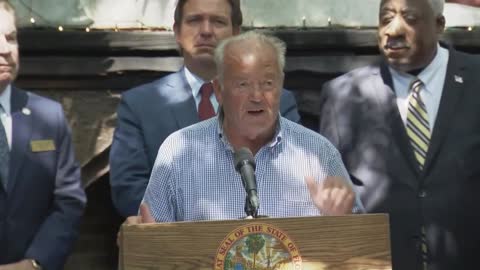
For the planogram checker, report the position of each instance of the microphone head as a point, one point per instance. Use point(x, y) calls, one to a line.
point(242, 156)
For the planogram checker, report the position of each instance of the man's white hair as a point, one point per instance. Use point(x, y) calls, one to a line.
point(437, 6)
point(257, 38)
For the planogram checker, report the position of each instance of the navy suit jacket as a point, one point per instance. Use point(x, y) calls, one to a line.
point(41, 208)
point(360, 116)
point(147, 115)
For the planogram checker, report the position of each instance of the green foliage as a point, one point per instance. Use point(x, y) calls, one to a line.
point(255, 243)
point(228, 262)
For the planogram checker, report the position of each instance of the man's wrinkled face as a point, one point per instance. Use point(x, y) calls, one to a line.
point(8, 48)
point(408, 33)
point(251, 88)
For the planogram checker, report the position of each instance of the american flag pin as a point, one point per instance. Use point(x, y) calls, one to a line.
point(458, 79)
point(26, 111)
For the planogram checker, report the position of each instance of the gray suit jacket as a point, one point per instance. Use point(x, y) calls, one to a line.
point(360, 116)
point(146, 116)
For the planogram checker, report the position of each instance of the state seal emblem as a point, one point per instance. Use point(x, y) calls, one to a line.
point(257, 246)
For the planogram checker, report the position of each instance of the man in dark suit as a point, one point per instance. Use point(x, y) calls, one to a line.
point(41, 198)
point(149, 113)
point(408, 130)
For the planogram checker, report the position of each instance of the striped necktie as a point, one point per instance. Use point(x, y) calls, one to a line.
point(418, 131)
point(4, 152)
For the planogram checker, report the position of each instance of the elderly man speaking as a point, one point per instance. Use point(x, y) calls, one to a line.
point(299, 172)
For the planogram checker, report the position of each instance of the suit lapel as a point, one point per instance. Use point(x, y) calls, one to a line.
point(455, 79)
point(399, 133)
point(185, 111)
point(21, 133)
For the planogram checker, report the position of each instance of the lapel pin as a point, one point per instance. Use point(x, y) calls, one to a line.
point(26, 111)
point(458, 79)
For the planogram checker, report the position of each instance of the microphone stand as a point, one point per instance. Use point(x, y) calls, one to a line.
point(249, 210)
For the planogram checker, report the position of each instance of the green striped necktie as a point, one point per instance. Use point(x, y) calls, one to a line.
point(418, 131)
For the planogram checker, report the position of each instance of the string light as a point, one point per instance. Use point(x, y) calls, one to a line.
point(34, 16)
point(142, 25)
point(36, 19)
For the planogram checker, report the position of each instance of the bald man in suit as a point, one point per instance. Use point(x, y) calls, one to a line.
point(408, 130)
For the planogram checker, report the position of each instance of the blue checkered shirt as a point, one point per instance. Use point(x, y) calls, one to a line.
point(194, 177)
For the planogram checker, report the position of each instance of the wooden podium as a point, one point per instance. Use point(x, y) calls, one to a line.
point(350, 242)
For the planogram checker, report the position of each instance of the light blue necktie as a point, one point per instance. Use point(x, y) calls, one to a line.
point(4, 153)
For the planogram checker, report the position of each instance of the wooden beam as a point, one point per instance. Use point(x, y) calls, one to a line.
point(41, 40)
point(321, 39)
point(329, 64)
point(92, 83)
point(95, 66)
point(99, 66)
point(33, 41)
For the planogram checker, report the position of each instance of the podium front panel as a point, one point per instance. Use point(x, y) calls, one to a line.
point(351, 242)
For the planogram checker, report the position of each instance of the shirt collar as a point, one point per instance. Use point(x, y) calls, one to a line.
point(194, 81)
point(429, 73)
point(5, 99)
point(277, 138)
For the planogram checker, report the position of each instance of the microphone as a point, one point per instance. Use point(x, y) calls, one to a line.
point(245, 165)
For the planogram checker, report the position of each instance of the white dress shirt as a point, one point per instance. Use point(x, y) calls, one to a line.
point(196, 83)
point(433, 78)
point(5, 115)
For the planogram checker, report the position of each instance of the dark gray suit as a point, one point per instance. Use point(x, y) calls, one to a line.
point(146, 116)
point(360, 116)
